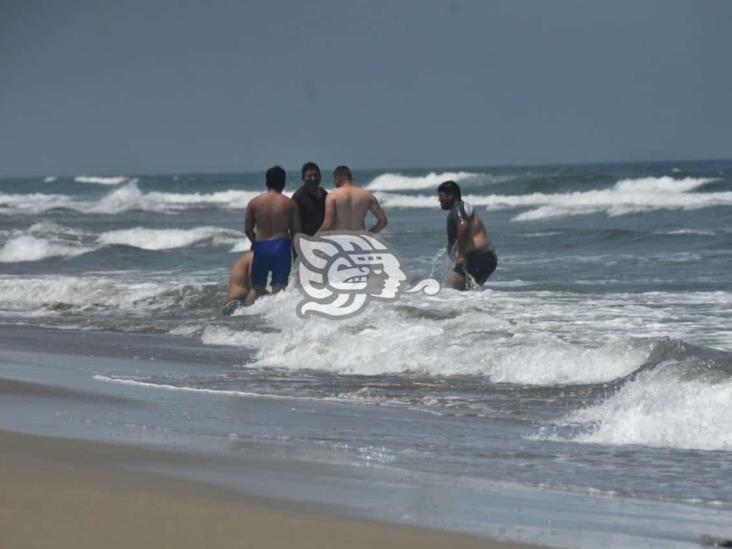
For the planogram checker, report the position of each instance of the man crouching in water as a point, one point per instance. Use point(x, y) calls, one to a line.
point(467, 241)
point(240, 282)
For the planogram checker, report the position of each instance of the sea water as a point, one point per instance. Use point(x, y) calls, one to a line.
point(596, 362)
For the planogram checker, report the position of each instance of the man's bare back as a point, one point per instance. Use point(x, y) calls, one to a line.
point(347, 206)
point(273, 214)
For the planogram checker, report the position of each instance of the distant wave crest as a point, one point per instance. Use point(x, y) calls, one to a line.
point(399, 182)
point(97, 180)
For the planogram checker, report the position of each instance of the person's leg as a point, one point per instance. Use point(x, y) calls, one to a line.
point(281, 265)
point(239, 284)
point(456, 281)
point(261, 266)
point(239, 278)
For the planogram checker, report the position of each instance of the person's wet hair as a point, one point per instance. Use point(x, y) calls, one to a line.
point(342, 172)
point(451, 188)
point(308, 166)
point(276, 178)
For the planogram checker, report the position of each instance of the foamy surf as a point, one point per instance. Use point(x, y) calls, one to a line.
point(664, 408)
point(30, 248)
point(399, 182)
point(49, 240)
point(401, 338)
point(625, 197)
point(167, 239)
point(97, 180)
point(20, 293)
point(126, 197)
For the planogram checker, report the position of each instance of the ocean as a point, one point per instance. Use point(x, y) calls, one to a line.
point(583, 397)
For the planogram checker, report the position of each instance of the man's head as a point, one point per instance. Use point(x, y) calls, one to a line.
point(275, 179)
point(310, 174)
point(342, 175)
point(449, 194)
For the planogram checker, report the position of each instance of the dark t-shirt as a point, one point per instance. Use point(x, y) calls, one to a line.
point(312, 209)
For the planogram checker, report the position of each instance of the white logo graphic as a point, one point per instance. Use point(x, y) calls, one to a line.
point(341, 271)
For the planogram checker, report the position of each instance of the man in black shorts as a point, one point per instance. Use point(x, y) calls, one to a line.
point(310, 199)
point(467, 241)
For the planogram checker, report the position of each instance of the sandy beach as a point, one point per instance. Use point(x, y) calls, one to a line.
point(63, 493)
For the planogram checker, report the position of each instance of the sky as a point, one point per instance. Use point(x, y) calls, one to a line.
point(136, 87)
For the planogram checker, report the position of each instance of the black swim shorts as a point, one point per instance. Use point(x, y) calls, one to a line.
point(479, 264)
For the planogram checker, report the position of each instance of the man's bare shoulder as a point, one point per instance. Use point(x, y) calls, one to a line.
point(363, 194)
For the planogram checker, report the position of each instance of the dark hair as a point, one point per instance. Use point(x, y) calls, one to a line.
point(342, 172)
point(307, 167)
point(276, 178)
point(451, 188)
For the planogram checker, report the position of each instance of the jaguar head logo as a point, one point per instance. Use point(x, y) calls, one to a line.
point(340, 272)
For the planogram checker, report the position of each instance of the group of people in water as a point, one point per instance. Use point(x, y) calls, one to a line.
point(272, 220)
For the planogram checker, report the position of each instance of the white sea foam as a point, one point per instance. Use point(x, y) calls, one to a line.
point(96, 180)
point(31, 248)
point(49, 179)
point(405, 338)
point(33, 203)
point(46, 239)
point(399, 182)
point(125, 198)
point(165, 239)
point(688, 232)
point(166, 387)
point(30, 293)
point(625, 197)
point(662, 408)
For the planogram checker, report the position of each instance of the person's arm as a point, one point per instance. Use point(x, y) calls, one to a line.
point(381, 220)
point(458, 249)
point(329, 219)
point(295, 222)
point(249, 223)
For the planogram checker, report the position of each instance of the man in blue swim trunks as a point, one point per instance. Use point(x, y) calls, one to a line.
point(271, 222)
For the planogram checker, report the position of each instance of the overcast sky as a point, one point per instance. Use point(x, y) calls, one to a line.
point(122, 87)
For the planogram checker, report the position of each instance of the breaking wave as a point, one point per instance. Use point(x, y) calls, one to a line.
point(47, 240)
point(666, 407)
point(96, 180)
point(125, 198)
point(445, 341)
point(166, 239)
point(399, 182)
point(625, 197)
point(31, 248)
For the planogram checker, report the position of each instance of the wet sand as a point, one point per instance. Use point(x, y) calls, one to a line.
point(65, 493)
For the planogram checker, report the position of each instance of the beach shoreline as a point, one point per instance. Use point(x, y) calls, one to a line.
point(71, 493)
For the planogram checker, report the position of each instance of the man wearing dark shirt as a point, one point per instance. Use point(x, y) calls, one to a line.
point(310, 199)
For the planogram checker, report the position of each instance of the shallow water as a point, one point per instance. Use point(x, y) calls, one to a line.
point(596, 364)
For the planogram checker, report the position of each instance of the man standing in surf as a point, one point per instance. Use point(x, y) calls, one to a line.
point(310, 199)
point(271, 222)
point(467, 241)
point(347, 206)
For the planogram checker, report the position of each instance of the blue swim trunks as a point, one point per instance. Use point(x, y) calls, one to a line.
point(273, 256)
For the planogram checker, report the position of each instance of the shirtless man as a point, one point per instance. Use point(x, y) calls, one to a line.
point(277, 220)
point(467, 241)
point(240, 282)
point(346, 207)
